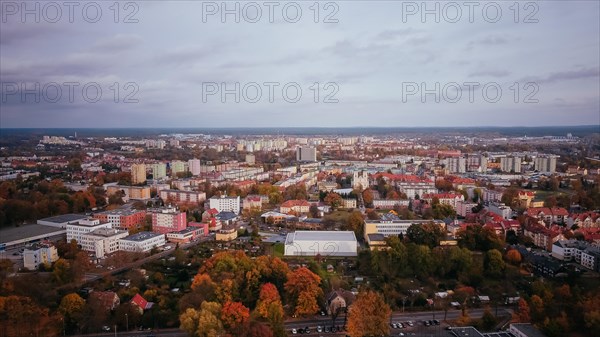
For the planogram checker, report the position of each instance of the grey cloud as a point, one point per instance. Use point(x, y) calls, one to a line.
point(117, 43)
point(490, 73)
point(567, 75)
point(487, 41)
point(17, 33)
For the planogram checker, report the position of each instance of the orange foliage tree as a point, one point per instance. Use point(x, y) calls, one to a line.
point(234, 315)
point(369, 315)
point(303, 290)
point(269, 302)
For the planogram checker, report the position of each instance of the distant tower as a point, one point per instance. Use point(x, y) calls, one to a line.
point(75, 134)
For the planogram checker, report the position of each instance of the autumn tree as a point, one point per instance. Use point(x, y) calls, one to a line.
point(256, 329)
point(333, 199)
point(537, 308)
point(204, 322)
point(71, 307)
point(524, 311)
point(355, 223)
point(591, 312)
point(270, 308)
point(367, 197)
point(62, 272)
point(20, 316)
point(369, 315)
point(513, 257)
point(303, 289)
point(234, 315)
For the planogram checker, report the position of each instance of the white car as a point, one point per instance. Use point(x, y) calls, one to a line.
point(294, 331)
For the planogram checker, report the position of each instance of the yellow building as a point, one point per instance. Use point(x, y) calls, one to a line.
point(138, 173)
point(227, 234)
point(131, 192)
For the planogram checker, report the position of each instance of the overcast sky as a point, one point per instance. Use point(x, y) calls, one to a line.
point(371, 65)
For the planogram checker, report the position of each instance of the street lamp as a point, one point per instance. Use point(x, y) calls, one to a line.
point(127, 320)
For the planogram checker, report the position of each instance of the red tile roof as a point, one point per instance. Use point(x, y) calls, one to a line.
point(141, 302)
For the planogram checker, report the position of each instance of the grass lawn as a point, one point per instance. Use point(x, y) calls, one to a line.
point(338, 216)
point(278, 250)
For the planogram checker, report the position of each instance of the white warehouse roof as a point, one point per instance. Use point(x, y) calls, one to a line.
point(324, 243)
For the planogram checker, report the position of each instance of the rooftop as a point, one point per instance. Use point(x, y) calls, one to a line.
point(106, 232)
point(27, 231)
point(527, 329)
point(121, 211)
point(321, 236)
point(64, 218)
point(142, 236)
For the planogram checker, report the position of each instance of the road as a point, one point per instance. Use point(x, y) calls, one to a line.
point(418, 330)
point(416, 317)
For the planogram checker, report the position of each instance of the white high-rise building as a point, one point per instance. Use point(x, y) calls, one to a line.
point(194, 166)
point(545, 164)
point(225, 204)
point(456, 164)
point(510, 164)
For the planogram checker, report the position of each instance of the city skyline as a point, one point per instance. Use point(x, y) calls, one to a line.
point(373, 61)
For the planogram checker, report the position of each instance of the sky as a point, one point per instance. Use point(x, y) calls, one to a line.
point(299, 64)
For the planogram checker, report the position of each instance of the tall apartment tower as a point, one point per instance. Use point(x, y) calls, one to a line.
point(510, 164)
point(194, 166)
point(456, 164)
point(159, 170)
point(138, 173)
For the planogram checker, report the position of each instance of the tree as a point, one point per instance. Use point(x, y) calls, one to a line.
point(269, 301)
point(209, 324)
point(257, 329)
point(513, 257)
point(524, 312)
point(488, 321)
point(369, 315)
point(71, 306)
point(20, 316)
point(591, 312)
point(477, 237)
point(493, 264)
point(333, 199)
point(62, 272)
point(428, 234)
point(189, 320)
point(314, 211)
point(275, 198)
point(356, 223)
point(537, 308)
point(72, 309)
point(303, 289)
point(367, 197)
point(234, 315)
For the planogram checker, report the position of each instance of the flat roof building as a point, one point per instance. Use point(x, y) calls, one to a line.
point(17, 237)
point(324, 243)
point(102, 241)
point(61, 221)
point(142, 242)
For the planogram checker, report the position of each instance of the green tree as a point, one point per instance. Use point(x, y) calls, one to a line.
point(493, 264)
